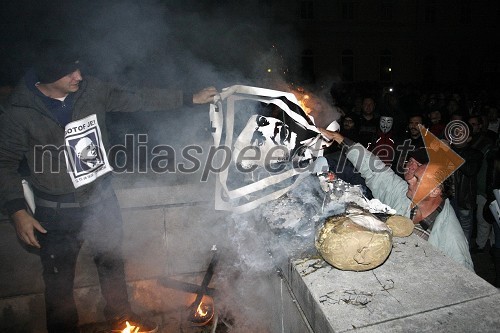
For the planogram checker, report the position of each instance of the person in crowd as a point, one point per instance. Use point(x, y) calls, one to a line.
point(368, 122)
point(337, 161)
point(479, 139)
point(357, 107)
point(431, 103)
point(414, 134)
point(413, 139)
point(441, 101)
point(465, 177)
point(384, 146)
point(392, 104)
point(453, 107)
point(348, 126)
point(421, 197)
point(493, 123)
point(436, 125)
point(481, 142)
point(457, 116)
point(493, 182)
point(54, 110)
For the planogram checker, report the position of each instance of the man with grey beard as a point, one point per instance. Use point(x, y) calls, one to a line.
point(421, 196)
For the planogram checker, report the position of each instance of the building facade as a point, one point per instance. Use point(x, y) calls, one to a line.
point(390, 41)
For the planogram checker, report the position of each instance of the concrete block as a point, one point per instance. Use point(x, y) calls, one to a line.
point(477, 315)
point(21, 272)
point(23, 314)
point(289, 317)
point(191, 233)
point(164, 195)
point(416, 278)
point(144, 243)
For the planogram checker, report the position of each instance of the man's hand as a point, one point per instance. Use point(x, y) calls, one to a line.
point(330, 135)
point(25, 227)
point(205, 96)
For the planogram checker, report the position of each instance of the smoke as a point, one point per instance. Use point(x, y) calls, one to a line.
point(186, 45)
point(260, 243)
point(189, 45)
point(172, 43)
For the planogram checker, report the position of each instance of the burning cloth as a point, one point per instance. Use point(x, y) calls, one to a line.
point(274, 144)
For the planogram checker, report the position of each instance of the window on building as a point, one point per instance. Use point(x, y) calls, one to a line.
point(307, 69)
point(430, 11)
point(385, 66)
point(347, 66)
point(348, 12)
point(307, 9)
point(386, 8)
point(465, 11)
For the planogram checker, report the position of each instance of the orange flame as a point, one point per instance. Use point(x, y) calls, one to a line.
point(130, 329)
point(200, 310)
point(303, 104)
point(203, 313)
point(304, 99)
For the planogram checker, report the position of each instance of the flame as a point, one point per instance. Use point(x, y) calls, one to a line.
point(304, 99)
point(130, 329)
point(200, 310)
point(203, 313)
point(303, 104)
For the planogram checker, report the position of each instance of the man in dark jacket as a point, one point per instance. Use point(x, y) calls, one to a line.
point(465, 177)
point(56, 120)
point(412, 139)
point(368, 122)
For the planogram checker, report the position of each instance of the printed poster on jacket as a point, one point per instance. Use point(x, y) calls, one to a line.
point(85, 154)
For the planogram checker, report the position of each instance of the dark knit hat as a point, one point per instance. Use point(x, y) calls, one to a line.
point(420, 155)
point(55, 59)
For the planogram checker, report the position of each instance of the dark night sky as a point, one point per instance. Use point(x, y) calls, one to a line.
point(155, 42)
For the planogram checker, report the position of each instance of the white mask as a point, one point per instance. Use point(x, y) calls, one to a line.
point(386, 124)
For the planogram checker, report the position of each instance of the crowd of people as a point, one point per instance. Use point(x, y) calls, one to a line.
point(390, 123)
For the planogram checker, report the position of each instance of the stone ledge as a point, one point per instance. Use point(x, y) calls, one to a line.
point(415, 280)
point(477, 315)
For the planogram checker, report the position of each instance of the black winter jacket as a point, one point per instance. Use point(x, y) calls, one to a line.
point(29, 130)
point(465, 178)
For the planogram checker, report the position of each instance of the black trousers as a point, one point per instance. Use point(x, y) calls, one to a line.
point(100, 226)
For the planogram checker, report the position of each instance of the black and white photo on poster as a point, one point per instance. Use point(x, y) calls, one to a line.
point(85, 153)
point(274, 145)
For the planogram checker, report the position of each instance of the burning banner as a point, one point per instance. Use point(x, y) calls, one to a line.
point(274, 144)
